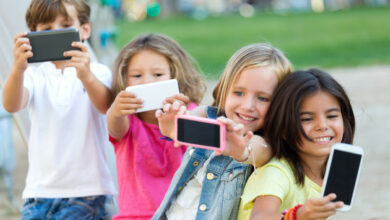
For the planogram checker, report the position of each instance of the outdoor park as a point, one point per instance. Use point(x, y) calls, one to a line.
point(348, 39)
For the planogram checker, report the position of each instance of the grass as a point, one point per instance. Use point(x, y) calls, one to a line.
point(330, 39)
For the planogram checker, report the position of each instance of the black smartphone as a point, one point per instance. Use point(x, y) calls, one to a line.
point(51, 45)
point(200, 132)
point(342, 173)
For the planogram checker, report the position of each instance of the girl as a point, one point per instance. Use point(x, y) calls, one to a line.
point(309, 113)
point(208, 186)
point(145, 162)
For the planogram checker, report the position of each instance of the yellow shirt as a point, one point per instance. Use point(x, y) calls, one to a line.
point(276, 178)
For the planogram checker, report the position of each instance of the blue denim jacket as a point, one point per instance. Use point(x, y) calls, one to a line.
point(221, 192)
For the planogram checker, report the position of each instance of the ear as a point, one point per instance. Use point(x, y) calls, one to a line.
point(85, 31)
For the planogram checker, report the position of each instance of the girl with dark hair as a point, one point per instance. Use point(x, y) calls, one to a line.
point(308, 114)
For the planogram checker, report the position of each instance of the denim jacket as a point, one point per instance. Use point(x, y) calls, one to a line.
point(222, 186)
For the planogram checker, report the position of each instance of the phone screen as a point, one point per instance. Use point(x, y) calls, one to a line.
point(200, 133)
point(343, 175)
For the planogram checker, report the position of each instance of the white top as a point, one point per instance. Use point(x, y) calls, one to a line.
point(67, 138)
point(185, 206)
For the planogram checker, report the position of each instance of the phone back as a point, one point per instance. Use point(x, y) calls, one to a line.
point(50, 45)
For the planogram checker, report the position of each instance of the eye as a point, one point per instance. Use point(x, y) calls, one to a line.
point(238, 93)
point(135, 75)
point(332, 116)
point(158, 74)
point(263, 99)
point(306, 119)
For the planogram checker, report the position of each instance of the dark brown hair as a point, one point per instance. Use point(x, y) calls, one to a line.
point(44, 11)
point(282, 125)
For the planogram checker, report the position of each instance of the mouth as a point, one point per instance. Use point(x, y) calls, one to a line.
point(246, 118)
point(322, 139)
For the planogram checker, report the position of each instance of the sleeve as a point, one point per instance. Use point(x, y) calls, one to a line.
point(28, 83)
point(270, 180)
point(102, 73)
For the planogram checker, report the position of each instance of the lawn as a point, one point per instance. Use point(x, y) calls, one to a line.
point(330, 39)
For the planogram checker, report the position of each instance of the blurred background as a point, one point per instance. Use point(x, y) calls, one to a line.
point(348, 38)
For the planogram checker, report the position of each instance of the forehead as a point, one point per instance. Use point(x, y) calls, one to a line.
point(261, 79)
point(319, 101)
point(148, 58)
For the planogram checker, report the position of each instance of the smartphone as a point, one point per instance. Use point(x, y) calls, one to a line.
point(200, 132)
point(153, 94)
point(342, 173)
point(50, 45)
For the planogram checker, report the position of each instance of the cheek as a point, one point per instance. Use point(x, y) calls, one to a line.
point(263, 109)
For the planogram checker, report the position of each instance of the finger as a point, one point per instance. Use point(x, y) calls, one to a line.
point(182, 110)
point(19, 35)
point(330, 197)
point(176, 105)
point(76, 53)
point(80, 45)
point(158, 113)
point(248, 136)
point(167, 107)
point(217, 152)
point(175, 144)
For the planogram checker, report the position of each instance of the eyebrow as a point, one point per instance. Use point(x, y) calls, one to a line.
point(257, 92)
point(327, 111)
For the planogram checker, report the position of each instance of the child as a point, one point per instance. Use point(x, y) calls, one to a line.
point(207, 186)
point(309, 113)
point(68, 177)
point(146, 162)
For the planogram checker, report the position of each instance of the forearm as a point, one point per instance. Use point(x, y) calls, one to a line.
point(260, 152)
point(98, 93)
point(117, 126)
point(14, 95)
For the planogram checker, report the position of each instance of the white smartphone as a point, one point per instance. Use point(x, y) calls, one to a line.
point(200, 132)
point(342, 173)
point(153, 94)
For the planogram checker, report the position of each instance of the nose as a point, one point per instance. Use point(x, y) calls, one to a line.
point(321, 124)
point(147, 78)
point(248, 104)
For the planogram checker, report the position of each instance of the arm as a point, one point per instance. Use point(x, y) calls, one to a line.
point(237, 142)
point(99, 94)
point(266, 207)
point(15, 95)
point(124, 104)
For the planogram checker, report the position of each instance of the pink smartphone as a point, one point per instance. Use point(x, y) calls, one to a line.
point(200, 132)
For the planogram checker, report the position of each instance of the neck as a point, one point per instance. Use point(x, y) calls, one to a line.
point(313, 168)
point(148, 117)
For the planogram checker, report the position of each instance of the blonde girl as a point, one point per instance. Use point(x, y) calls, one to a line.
point(145, 161)
point(208, 185)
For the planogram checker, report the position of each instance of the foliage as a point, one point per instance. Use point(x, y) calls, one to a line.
point(330, 39)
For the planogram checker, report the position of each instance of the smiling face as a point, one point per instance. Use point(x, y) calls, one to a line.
point(322, 122)
point(248, 100)
point(147, 66)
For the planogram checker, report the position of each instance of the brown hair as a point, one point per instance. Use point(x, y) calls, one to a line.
point(181, 65)
point(44, 11)
point(282, 125)
point(253, 55)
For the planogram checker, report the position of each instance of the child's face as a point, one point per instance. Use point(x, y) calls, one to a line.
point(322, 121)
point(248, 100)
point(147, 66)
point(72, 22)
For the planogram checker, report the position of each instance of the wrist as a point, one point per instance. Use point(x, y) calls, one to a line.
point(244, 156)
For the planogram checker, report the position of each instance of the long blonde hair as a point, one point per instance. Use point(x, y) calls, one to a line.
point(181, 65)
point(253, 55)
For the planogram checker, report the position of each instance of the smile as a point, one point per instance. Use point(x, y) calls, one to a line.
point(322, 139)
point(246, 118)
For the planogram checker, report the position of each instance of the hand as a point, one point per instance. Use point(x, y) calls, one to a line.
point(80, 60)
point(319, 208)
point(236, 140)
point(166, 118)
point(22, 51)
point(181, 98)
point(125, 103)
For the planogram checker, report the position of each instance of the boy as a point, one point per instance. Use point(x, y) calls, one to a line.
point(68, 177)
